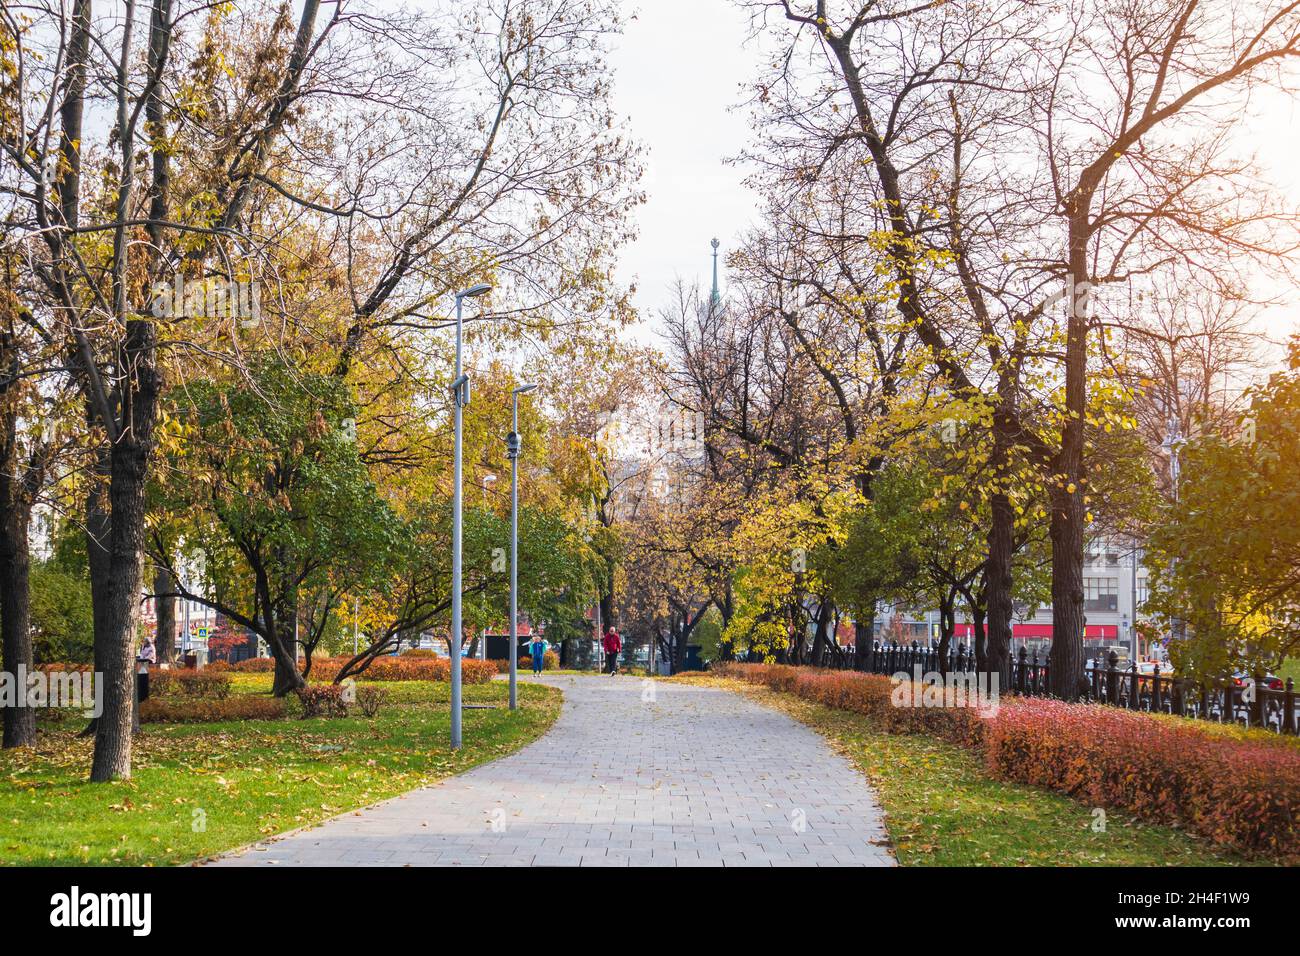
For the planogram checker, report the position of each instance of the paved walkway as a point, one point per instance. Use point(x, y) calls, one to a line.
point(696, 776)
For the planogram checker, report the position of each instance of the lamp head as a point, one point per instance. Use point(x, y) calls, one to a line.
point(474, 290)
point(524, 388)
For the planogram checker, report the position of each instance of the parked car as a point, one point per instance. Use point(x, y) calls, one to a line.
point(1271, 681)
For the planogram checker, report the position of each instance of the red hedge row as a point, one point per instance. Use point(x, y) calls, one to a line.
point(1243, 794)
point(472, 671)
point(253, 665)
point(189, 683)
point(550, 662)
point(204, 710)
point(383, 669)
point(1239, 793)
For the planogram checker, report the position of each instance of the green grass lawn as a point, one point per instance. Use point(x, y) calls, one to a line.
point(199, 789)
point(942, 809)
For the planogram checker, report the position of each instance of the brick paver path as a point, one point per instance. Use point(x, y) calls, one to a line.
point(696, 776)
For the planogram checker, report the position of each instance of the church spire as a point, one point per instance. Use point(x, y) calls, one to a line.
point(714, 297)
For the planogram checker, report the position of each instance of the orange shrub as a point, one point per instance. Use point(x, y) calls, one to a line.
point(322, 700)
point(1239, 793)
point(1243, 794)
point(867, 694)
point(210, 709)
point(405, 668)
point(188, 682)
point(550, 662)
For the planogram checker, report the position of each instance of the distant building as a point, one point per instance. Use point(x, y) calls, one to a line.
point(1114, 590)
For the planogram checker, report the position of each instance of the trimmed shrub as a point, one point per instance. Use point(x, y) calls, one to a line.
point(868, 694)
point(550, 662)
point(210, 710)
point(189, 683)
point(323, 700)
point(387, 668)
point(370, 698)
point(1242, 794)
point(421, 652)
point(472, 671)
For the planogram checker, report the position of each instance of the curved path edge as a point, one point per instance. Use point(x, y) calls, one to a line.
point(632, 773)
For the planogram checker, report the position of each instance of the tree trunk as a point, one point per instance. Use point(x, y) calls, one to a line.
point(1066, 656)
point(947, 625)
point(165, 613)
point(864, 636)
point(997, 651)
point(819, 636)
point(129, 463)
point(70, 113)
point(99, 526)
point(283, 646)
point(15, 597)
point(980, 637)
point(998, 580)
point(1067, 490)
point(18, 488)
point(727, 609)
point(679, 643)
point(115, 655)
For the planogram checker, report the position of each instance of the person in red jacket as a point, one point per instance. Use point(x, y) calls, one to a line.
point(612, 644)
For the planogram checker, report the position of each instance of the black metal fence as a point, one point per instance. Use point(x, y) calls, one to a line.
point(1250, 703)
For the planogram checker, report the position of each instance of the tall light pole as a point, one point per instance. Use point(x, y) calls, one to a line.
point(513, 445)
point(1173, 443)
point(460, 397)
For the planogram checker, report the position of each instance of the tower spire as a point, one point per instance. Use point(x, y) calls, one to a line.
point(714, 297)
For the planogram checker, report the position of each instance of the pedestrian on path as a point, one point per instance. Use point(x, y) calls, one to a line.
point(538, 647)
point(612, 644)
point(145, 659)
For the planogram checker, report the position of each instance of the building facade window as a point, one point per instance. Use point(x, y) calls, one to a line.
point(1100, 594)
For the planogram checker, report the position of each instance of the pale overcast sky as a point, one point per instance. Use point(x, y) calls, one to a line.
point(677, 72)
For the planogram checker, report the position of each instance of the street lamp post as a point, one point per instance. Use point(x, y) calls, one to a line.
point(1173, 443)
point(513, 444)
point(460, 398)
